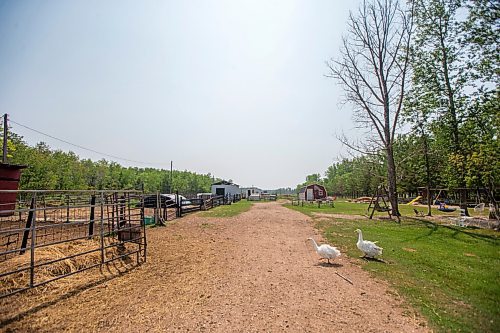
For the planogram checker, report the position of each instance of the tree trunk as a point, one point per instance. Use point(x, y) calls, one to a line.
point(391, 176)
point(427, 172)
point(454, 123)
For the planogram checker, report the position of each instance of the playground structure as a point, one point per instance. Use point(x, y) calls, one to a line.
point(416, 200)
point(378, 202)
point(471, 197)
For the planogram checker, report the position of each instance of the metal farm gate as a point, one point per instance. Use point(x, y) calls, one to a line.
point(49, 235)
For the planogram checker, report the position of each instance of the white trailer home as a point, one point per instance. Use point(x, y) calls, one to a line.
point(248, 191)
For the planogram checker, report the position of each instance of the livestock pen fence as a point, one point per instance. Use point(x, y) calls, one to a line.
point(160, 208)
point(218, 200)
point(49, 235)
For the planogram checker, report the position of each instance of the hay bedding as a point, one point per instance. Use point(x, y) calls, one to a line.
point(249, 273)
point(31, 299)
point(50, 253)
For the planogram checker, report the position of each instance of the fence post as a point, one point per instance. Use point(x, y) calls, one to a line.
point(67, 207)
point(112, 213)
point(158, 205)
point(92, 215)
point(143, 225)
point(27, 227)
point(179, 204)
point(102, 228)
point(44, 210)
point(33, 243)
point(123, 211)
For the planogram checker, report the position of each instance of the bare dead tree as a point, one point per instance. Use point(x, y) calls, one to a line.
point(373, 71)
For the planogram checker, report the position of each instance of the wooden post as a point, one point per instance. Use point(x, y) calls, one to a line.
point(385, 203)
point(373, 202)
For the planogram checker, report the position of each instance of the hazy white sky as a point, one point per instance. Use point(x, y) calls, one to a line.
point(234, 88)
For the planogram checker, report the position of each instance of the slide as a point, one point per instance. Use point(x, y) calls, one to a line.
point(415, 200)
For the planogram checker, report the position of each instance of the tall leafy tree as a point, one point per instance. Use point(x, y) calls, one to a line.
point(481, 40)
point(438, 76)
point(481, 35)
point(372, 70)
point(455, 82)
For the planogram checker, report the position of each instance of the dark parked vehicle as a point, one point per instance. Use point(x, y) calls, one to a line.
point(166, 201)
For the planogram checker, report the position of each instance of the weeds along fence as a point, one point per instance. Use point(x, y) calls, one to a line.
point(49, 235)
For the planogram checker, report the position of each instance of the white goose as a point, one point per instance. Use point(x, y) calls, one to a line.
point(370, 249)
point(325, 251)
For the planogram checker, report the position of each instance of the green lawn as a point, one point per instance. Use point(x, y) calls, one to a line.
point(228, 210)
point(351, 208)
point(451, 275)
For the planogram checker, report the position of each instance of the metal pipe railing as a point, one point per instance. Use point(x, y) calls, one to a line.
point(118, 216)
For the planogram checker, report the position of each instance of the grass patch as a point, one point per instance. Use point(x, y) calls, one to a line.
point(449, 274)
point(351, 208)
point(228, 210)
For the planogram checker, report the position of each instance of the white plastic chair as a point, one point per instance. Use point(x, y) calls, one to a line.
point(479, 207)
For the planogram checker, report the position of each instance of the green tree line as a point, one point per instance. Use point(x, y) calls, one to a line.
point(50, 169)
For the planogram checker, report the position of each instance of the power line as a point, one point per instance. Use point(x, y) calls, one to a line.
point(81, 147)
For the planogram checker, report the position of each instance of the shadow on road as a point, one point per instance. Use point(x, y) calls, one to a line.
point(326, 264)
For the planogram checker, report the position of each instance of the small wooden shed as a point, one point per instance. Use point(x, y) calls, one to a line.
point(312, 192)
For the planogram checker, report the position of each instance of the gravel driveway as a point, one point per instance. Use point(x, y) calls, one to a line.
point(250, 273)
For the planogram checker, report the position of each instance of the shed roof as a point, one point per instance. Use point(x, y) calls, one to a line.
point(303, 189)
point(224, 182)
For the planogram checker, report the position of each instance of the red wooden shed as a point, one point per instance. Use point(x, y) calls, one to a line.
point(312, 192)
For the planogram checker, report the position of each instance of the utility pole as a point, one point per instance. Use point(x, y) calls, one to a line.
point(4, 158)
point(170, 185)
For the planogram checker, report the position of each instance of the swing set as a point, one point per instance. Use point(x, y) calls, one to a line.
point(378, 202)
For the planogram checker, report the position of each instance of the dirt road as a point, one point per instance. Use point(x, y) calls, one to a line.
point(250, 273)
